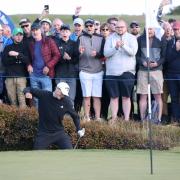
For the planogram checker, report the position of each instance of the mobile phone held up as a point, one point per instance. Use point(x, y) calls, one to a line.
point(46, 7)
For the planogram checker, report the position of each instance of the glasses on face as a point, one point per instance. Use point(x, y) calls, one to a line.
point(120, 27)
point(114, 24)
point(104, 29)
point(89, 25)
point(26, 25)
point(176, 29)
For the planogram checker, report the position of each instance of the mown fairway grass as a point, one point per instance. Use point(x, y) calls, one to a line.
point(89, 165)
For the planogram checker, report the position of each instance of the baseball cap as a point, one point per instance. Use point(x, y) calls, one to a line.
point(176, 25)
point(46, 20)
point(65, 27)
point(64, 87)
point(97, 23)
point(17, 31)
point(35, 26)
point(134, 23)
point(90, 21)
point(78, 21)
point(24, 20)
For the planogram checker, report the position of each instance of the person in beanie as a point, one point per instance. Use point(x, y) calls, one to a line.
point(52, 108)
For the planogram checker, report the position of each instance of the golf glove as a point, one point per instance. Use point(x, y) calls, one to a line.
point(81, 132)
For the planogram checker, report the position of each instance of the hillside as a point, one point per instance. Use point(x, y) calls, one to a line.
point(68, 18)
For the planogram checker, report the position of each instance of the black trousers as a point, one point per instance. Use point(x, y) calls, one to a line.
point(44, 140)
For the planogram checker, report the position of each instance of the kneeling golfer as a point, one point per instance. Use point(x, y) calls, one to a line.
point(52, 108)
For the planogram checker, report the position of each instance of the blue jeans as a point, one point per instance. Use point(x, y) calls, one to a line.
point(174, 91)
point(40, 82)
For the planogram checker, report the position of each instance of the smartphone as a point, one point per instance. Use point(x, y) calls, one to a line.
point(46, 7)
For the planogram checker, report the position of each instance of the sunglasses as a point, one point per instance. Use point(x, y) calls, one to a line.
point(176, 29)
point(23, 26)
point(90, 25)
point(105, 29)
point(134, 27)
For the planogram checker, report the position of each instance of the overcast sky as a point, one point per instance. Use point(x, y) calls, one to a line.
point(104, 7)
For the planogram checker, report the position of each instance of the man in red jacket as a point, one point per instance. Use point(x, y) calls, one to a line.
point(44, 56)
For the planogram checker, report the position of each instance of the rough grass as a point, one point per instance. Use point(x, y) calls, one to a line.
point(18, 128)
point(89, 165)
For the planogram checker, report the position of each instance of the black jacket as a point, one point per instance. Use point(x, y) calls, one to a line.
point(16, 66)
point(172, 58)
point(67, 68)
point(52, 110)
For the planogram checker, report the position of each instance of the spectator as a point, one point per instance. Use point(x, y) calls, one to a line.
point(15, 60)
point(6, 31)
point(155, 61)
point(120, 50)
point(173, 71)
point(1, 65)
point(7, 35)
point(66, 68)
point(25, 24)
point(135, 29)
point(52, 108)
point(91, 74)
point(56, 26)
point(44, 56)
point(104, 30)
point(168, 35)
point(78, 29)
point(97, 27)
point(46, 27)
point(112, 24)
point(105, 100)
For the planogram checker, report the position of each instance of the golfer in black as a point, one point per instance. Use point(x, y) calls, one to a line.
point(52, 108)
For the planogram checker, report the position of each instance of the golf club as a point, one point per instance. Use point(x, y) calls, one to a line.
point(79, 139)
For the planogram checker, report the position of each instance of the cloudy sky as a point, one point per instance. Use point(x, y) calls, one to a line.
point(131, 7)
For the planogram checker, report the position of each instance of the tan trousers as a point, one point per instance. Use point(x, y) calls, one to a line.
point(15, 87)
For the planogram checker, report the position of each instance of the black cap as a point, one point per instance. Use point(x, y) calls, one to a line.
point(65, 27)
point(35, 26)
point(90, 21)
point(24, 20)
point(134, 23)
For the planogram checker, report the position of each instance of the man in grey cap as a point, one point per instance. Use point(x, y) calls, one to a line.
point(91, 47)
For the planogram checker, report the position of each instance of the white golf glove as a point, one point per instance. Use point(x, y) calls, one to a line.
point(81, 132)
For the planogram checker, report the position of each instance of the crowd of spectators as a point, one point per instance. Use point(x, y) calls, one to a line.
point(104, 64)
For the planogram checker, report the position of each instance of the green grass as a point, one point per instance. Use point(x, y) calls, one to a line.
point(102, 18)
point(89, 165)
